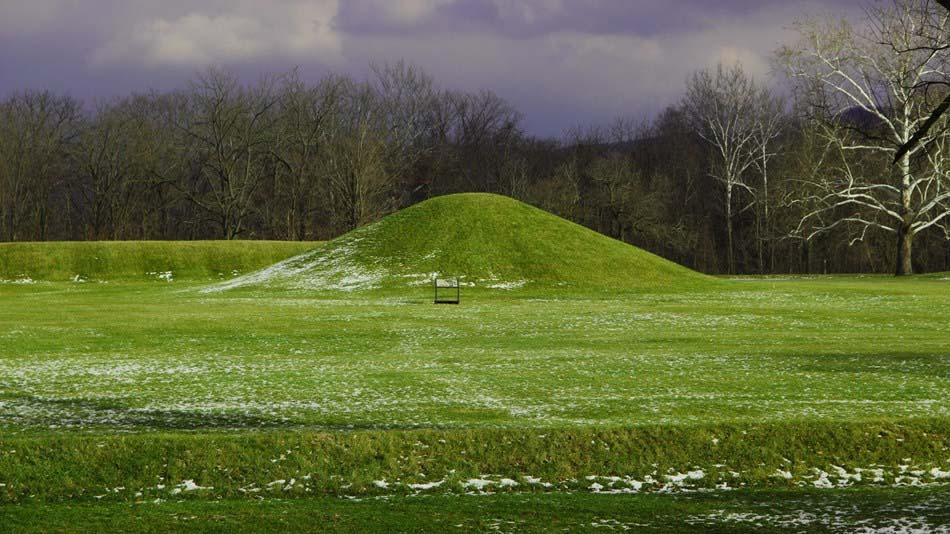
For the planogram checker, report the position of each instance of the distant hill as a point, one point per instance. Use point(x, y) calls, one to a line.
point(860, 118)
point(487, 240)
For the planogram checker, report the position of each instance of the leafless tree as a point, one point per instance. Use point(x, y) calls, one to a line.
point(105, 178)
point(722, 107)
point(484, 128)
point(36, 129)
point(769, 119)
point(406, 100)
point(354, 158)
point(302, 133)
point(934, 22)
point(860, 84)
point(230, 128)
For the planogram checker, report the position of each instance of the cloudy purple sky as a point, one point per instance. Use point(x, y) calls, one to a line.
point(561, 62)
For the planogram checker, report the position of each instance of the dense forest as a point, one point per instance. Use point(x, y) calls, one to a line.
point(795, 174)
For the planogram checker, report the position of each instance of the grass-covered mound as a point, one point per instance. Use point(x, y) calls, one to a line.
point(135, 260)
point(486, 240)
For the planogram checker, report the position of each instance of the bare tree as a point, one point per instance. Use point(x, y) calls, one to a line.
point(934, 22)
point(305, 114)
point(406, 100)
point(721, 106)
point(230, 129)
point(768, 122)
point(861, 88)
point(483, 128)
point(160, 163)
point(35, 131)
point(104, 179)
point(354, 158)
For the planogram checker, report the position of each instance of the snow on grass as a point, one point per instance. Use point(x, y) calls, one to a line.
point(515, 284)
point(164, 276)
point(188, 485)
point(679, 479)
point(427, 485)
point(333, 267)
point(939, 474)
point(340, 267)
point(831, 517)
point(692, 480)
point(478, 484)
point(23, 280)
point(536, 480)
point(712, 480)
point(787, 475)
point(822, 482)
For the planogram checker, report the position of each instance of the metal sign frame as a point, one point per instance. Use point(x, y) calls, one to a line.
point(453, 297)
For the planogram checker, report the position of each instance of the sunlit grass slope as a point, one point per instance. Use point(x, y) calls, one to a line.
point(131, 260)
point(486, 240)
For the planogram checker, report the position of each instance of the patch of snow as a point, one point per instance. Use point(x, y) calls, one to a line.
point(822, 481)
point(937, 473)
point(680, 478)
point(333, 267)
point(23, 280)
point(515, 284)
point(536, 480)
point(189, 485)
point(477, 483)
point(166, 276)
point(426, 485)
point(787, 475)
point(844, 477)
point(878, 474)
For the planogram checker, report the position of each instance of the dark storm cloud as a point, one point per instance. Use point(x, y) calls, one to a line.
point(559, 61)
point(527, 18)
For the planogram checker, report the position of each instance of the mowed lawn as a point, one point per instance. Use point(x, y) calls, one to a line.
point(122, 392)
point(165, 356)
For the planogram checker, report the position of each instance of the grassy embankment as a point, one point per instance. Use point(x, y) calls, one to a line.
point(140, 260)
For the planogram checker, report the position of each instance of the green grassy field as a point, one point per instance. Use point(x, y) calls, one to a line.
point(690, 403)
point(137, 391)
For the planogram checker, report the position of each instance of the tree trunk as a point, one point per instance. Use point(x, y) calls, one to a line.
point(4, 235)
point(905, 232)
point(905, 241)
point(765, 205)
point(759, 239)
point(731, 257)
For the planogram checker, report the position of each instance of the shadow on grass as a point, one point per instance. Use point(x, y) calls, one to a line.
point(26, 412)
point(935, 365)
point(65, 413)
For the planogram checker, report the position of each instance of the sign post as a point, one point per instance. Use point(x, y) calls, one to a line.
point(448, 296)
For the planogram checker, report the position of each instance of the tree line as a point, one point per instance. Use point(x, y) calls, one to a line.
point(738, 177)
